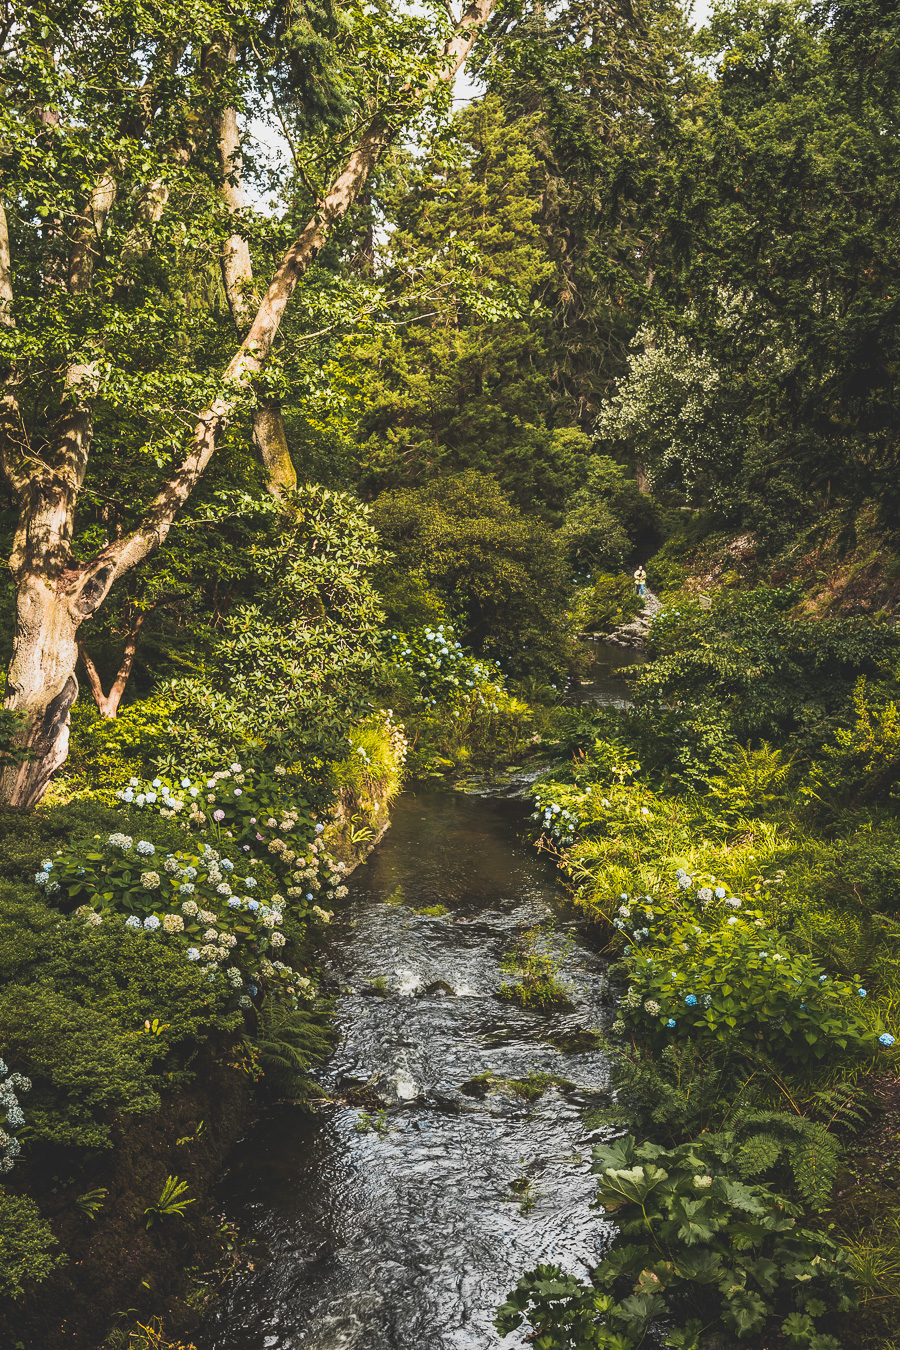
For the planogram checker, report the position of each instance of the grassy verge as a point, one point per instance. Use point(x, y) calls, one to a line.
point(733, 843)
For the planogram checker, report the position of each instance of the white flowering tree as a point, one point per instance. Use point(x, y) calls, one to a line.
point(679, 417)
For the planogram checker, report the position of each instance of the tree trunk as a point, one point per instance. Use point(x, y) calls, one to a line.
point(108, 704)
point(269, 436)
point(272, 447)
point(42, 685)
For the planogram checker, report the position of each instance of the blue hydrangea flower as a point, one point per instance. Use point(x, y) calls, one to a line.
point(309, 895)
point(192, 954)
point(157, 782)
point(151, 922)
point(861, 992)
point(252, 990)
point(47, 865)
point(251, 882)
point(40, 878)
point(671, 1022)
point(720, 892)
point(145, 848)
point(691, 1000)
point(885, 1038)
point(186, 888)
point(822, 979)
point(127, 796)
point(234, 903)
point(133, 922)
point(253, 904)
point(319, 828)
point(226, 865)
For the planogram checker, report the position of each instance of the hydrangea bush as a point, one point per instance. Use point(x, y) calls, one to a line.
point(218, 914)
point(11, 1116)
point(261, 814)
point(443, 673)
point(556, 819)
point(703, 967)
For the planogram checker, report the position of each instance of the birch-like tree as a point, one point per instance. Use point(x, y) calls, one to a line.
point(123, 220)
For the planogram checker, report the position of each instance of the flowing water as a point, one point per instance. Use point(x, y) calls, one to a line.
point(604, 685)
point(403, 1230)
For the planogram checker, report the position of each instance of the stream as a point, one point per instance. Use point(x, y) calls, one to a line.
point(400, 1214)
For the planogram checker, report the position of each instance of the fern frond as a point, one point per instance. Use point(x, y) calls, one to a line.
point(758, 1154)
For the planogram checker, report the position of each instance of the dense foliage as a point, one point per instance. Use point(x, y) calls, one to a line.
point(634, 304)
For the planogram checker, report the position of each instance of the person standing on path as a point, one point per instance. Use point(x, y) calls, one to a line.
point(640, 581)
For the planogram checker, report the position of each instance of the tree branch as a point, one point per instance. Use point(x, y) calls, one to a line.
point(6, 287)
point(108, 704)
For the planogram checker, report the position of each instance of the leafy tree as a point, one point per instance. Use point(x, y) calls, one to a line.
point(607, 518)
point(460, 381)
point(121, 369)
point(607, 97)
point(499, 574)
point(789, 186)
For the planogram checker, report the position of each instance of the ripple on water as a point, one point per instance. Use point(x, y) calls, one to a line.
point(408, 1239)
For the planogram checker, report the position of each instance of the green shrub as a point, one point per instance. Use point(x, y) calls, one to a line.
point(734, 980)
point(26, 1241)
point(695, 1241)
point(83, 1070)
point(862, 761)
point(769, 673)
point(500, 574)
point(609, 600)
point(129, 980)
point(607, 517)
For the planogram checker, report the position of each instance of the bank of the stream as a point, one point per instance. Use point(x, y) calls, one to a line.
point(140, 1059)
